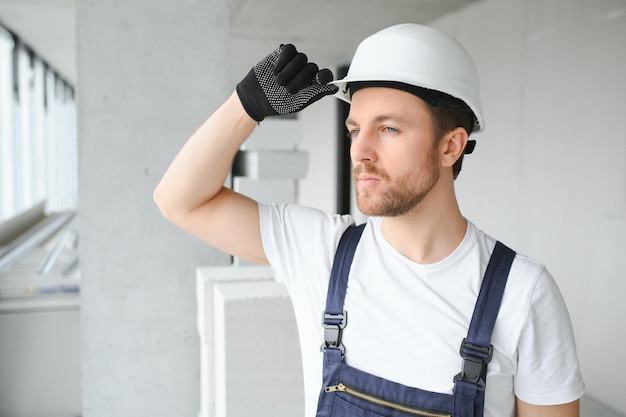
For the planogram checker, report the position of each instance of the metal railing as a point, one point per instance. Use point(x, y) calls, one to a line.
point(66, 222)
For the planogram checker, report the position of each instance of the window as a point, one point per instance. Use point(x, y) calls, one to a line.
point(38, 149)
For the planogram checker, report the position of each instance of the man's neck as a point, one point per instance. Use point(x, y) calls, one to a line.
point(427, 234)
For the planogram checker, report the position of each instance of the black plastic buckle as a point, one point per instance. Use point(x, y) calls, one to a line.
point(474, 367)
point(333, 328)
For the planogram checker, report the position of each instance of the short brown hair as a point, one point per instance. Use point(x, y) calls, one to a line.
point(449, 113)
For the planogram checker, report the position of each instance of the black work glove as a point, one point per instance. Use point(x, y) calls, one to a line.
point(283, 82)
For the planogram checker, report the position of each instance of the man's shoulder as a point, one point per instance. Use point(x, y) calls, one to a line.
point(293, 228)
point(299, 213)
point(487, 241)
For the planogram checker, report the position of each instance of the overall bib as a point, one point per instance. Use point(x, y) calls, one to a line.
point(349, 392)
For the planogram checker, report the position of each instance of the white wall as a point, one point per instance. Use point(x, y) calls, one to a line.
point(39, 351)
point(549, 172)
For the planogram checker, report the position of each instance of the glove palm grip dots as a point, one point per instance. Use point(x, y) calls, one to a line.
point(282, 83)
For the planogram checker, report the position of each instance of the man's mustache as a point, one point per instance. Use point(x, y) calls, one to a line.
point(368, 168)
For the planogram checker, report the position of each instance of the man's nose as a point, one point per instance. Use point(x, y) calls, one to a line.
point(363, 148)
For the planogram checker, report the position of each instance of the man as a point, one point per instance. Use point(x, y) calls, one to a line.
point(419, 264)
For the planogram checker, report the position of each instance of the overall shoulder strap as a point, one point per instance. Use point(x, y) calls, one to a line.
point(490, 296)
point(476, 348)
point(335, 318)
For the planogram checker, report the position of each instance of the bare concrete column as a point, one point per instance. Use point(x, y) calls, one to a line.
point(148, 74)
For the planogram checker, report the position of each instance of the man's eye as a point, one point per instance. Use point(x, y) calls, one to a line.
point(353, 133)
point(389, 129)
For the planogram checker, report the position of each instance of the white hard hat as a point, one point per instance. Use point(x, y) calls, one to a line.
point(419, 56)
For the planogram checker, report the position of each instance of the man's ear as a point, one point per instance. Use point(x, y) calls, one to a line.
point(452, 145)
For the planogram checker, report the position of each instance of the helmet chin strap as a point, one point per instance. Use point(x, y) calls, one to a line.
point(432, 97)
point(469, 148)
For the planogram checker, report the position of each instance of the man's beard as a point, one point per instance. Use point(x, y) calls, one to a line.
point(402, 195)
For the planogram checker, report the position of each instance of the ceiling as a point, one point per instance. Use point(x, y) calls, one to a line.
point(328, 30)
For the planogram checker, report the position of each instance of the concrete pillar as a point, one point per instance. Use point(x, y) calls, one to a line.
point(148, 74)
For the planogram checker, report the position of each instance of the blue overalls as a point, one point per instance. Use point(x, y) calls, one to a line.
point(349, 392)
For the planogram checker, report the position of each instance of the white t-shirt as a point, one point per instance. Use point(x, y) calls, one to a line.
point(406, 320)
